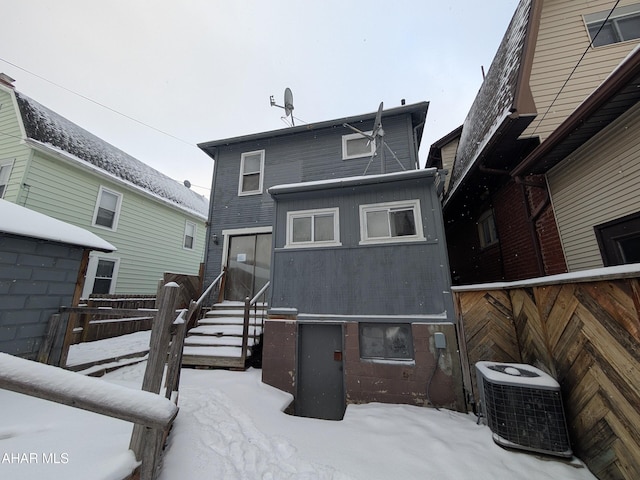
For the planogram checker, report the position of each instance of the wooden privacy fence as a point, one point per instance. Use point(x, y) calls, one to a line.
point(586, 333)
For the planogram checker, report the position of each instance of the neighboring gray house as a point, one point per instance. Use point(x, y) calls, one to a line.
point(356, 259)
point(42, 263)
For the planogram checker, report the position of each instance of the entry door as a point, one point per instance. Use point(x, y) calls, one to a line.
point(248, 265)
point(320, 372)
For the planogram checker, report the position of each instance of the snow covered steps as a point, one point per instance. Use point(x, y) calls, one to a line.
point(217, 339)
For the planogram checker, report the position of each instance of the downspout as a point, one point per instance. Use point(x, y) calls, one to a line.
point(415, 143)
point(532, 217)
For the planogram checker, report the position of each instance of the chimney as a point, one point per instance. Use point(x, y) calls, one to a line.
point(6, 80)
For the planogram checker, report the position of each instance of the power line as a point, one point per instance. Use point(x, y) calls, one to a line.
point(97, 103)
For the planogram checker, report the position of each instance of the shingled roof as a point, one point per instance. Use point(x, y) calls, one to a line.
point(503, 96)
point(51, 129)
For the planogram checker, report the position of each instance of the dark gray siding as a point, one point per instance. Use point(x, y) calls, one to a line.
point(36, 279)
point(352, 279)
point(304, 157)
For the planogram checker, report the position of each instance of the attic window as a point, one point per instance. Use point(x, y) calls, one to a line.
point(356, 146)
point(251, 173)
point(623, 24)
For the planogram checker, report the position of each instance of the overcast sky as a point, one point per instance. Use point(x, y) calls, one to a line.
point(203, 70)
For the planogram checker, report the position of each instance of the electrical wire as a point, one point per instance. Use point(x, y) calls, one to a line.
point(574, 69)
point(98, 103)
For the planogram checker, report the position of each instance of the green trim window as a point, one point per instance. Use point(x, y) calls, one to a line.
point(5, 173)
point(313, 228)
point(251, 173)
point(107, 211)
point(386, 341)
point(621, 25)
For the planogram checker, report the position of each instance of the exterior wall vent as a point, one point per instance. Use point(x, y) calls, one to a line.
point(523, 408)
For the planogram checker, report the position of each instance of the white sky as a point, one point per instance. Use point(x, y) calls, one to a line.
point(203, 70)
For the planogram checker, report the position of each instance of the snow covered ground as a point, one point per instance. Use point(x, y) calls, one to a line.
point(231, 426)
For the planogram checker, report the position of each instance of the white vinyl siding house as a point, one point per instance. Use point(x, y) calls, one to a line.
point(599, 183)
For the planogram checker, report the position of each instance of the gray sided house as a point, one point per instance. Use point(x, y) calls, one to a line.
point(359, 293)
point(42, 262)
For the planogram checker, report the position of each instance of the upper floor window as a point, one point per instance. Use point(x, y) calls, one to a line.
point(355, 145)
point(5, 172)
point(391, 222)
point(251, 173)
point(107, 209)
point(487, 229)
point(313, 228)
point(189, 235)
point(622, 25)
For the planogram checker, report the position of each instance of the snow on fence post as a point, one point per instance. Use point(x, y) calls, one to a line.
point(175, 353)
point(146, 443)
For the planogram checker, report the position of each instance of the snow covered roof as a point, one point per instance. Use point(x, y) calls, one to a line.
point(48, 127)
point(499, 96)
point(17, 220)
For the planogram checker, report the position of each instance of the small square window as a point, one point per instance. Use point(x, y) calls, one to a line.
point(107, 209)
point(355, 146)
point(487, 229)
point(606, 28)
point(251, 173)
point(313, 228)
point(385, 341)
point(391, 222)
point(189, 235)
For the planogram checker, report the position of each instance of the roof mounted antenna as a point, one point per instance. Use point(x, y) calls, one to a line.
point(288, 104)
point(377, 137)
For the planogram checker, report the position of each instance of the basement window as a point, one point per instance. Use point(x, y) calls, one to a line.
point(385, 341)
point(623, 24)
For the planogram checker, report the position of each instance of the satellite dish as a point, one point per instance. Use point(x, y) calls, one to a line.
point(187, 183)
point(376, 136)
point(288, 101)
point(288, 104)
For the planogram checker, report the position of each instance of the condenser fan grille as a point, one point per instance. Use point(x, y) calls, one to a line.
point(530, 418)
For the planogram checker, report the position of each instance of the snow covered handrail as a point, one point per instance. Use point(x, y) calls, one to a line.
point(209, 288)
point(87, 393)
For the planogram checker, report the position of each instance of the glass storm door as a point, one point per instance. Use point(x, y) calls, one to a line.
point(248, 265)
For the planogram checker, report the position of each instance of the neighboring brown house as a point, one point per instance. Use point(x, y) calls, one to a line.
point(546, 162)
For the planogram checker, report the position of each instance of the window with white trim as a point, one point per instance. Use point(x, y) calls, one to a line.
point(313, 228)
point(487, 229)
point(107, 209)
point(355, 145)
point(391, 222)
point(189, 235)
point(251, 173)
point(620, 25)
point(5, 172)
point(102, 273)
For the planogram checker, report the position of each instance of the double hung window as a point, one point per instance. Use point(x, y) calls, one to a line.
point(189, 235)
point(608, 27)
point(487, 229)
point(251, 173)
point(107, 209)
point(5, 172)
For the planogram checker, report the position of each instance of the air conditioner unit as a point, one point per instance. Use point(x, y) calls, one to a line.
point(523, 408)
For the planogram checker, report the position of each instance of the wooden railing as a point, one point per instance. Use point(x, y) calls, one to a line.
point(152, 414)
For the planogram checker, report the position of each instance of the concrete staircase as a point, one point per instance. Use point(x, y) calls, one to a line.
point(217, 339)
